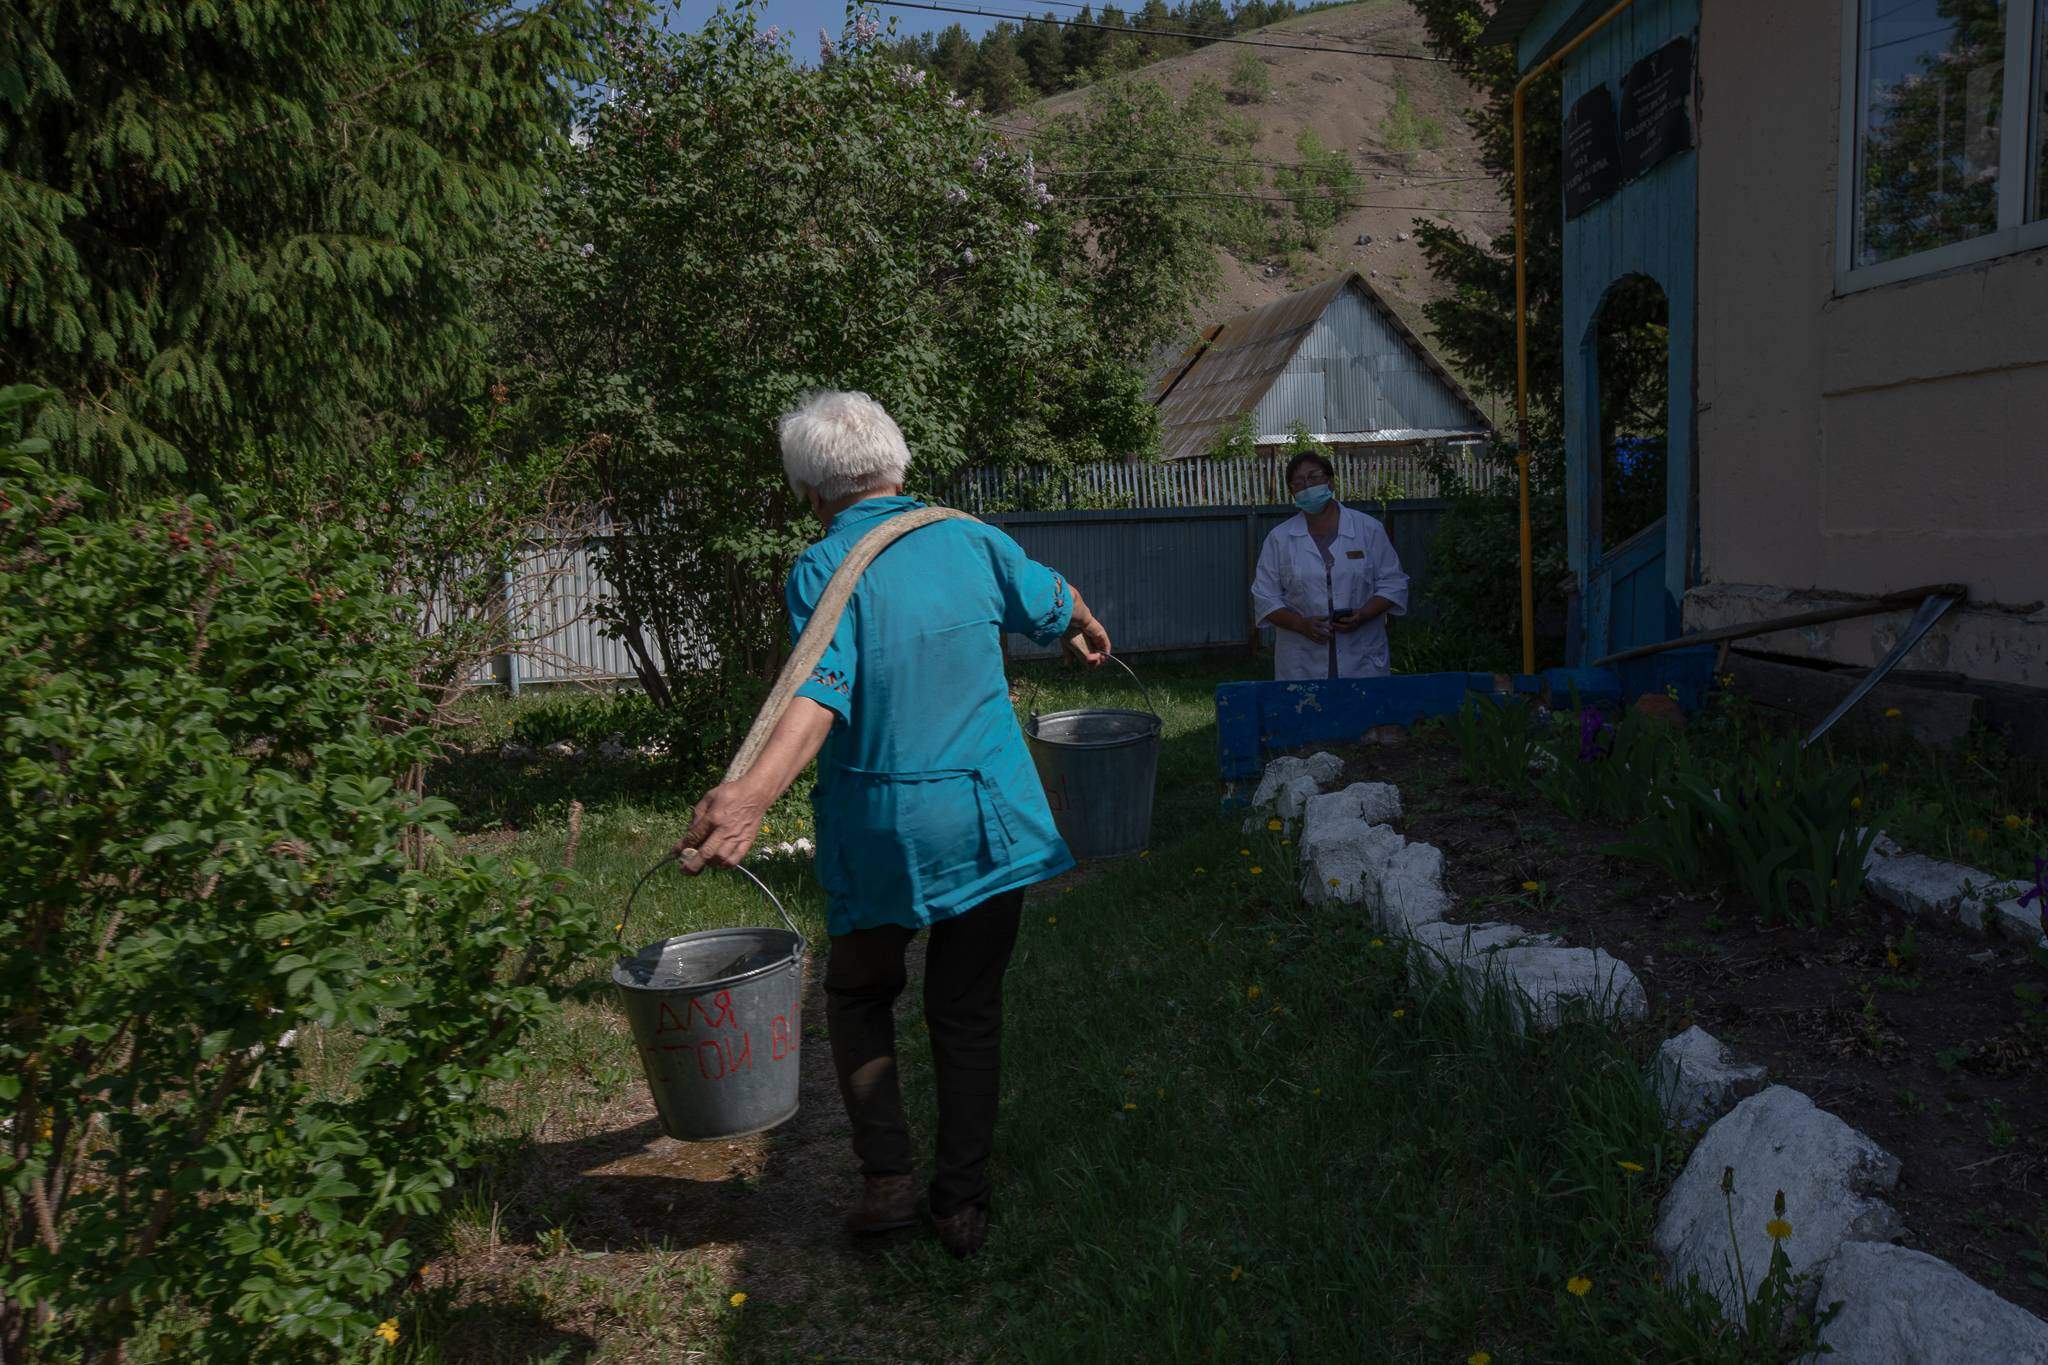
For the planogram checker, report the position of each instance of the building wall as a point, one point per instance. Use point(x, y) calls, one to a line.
point(1865, 442)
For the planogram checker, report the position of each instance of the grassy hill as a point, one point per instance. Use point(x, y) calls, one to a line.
point(1402, 124)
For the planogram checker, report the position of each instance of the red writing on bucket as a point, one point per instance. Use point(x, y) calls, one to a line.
point(1056, 796)
point(729, 1053)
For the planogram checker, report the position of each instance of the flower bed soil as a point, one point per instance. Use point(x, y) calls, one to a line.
point(1920, 1042)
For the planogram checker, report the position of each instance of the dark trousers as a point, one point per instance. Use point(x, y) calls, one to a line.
point(963, 1007)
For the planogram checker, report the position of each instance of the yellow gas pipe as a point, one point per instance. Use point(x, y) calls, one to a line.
point(1522, 333)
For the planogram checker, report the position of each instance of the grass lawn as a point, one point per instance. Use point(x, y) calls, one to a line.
point(1231, 1131)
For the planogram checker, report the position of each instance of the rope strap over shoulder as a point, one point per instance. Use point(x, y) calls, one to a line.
point(817, 633)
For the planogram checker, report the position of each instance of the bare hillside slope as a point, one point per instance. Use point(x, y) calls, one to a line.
point(1347, 99)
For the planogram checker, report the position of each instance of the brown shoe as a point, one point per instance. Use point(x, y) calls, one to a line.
point(887, 1202)
point(962, 1232)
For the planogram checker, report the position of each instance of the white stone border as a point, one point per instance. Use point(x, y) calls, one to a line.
point(1897, 1306)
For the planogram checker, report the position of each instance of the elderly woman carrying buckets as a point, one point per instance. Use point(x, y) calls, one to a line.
point(1326, 581)
point(930, 814)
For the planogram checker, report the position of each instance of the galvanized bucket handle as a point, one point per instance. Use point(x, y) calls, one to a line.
point(675, 855)
point(1143, 690)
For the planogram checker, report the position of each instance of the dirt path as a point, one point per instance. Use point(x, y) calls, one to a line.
point(615, 1242)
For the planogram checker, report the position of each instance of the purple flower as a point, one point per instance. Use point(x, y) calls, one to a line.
point(824, 44)
point(967, 256)
point(1592, 725)
point(1044, 192)
point(909, 77)
point(2038, 895)
point(956, 195)
point(1031, 229)
point(768, 39)
point(981, 162)
point(865, 27)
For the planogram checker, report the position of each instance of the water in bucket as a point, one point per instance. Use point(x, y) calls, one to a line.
point(1099, 767)
point(717, 1019)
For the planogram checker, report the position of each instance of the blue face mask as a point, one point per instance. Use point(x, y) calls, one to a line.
point(1314, 498)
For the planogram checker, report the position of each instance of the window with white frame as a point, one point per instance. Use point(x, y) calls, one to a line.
point(1946, 160)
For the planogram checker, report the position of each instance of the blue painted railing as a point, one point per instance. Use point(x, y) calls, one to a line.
point(1255, 720)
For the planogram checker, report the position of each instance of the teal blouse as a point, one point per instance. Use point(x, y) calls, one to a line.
point(927, 803)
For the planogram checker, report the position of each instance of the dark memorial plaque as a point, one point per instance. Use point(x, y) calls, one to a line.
point(1656, 108)
point(1592, 162)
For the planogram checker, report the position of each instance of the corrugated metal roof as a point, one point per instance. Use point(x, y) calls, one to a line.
point(1237, 363)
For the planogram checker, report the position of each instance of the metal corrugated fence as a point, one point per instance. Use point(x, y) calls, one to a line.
point(1163, 578)
point(1180, 578)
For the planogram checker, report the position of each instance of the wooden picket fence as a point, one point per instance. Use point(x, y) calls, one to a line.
point(1364, 473)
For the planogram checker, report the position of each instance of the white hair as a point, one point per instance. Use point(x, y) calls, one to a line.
point(842, 443)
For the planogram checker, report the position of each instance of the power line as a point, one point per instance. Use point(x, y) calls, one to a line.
point(979, 12)
point(1044, 135)
point(1301, 13)
point(1269, 199)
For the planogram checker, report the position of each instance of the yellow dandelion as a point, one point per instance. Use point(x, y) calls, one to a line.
point(47, 1128)
point(387, 1331)
point(1633, 1168)
point(1274, 825)
point(284, 943)
point(1052, 919)
point(619, 928)
point(1256, 870)
point(2013, 822)
point(1892, 713)
point(1479, 1358)
point(1251, 992)
point(1144, 853)
point(737, 1299)
point(1578, 1286)
point(1236, 1273)
point(1160, 1093)
point(1978, 836)
point(1891, 957)
point(1317, 1092)
point(1334, 883)
point(1778, 1229)
point(1398, 1014)
point(1834, 885)
point(1201, 872)
point(1129, 1108)
point(1287, 843)
point(1379, 943)
point(1855, 803)
point(1532, 886)
point(1244, 853)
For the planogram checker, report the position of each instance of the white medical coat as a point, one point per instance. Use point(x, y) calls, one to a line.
point(1291, 574)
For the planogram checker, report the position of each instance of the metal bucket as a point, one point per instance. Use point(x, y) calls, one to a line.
point(717, 1019)
point(1099, 768)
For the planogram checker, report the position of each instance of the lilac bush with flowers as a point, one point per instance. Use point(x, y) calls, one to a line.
point(731, 227)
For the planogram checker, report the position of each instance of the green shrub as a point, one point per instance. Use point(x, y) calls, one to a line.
point(207, 866)
point(1250, 82)
point(1405, 129)
point(1475, 583)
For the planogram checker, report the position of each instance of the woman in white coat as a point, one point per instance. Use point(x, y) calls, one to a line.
point(1326, 582)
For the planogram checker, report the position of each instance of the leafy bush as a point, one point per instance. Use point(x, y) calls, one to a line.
point(1320, 185)
point(1475, 582)
point(206, 866)
point(1406, 129)
point(1250, 82)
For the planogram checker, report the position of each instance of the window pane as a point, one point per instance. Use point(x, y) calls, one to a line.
point(1932, 76)
point(2038, 206)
